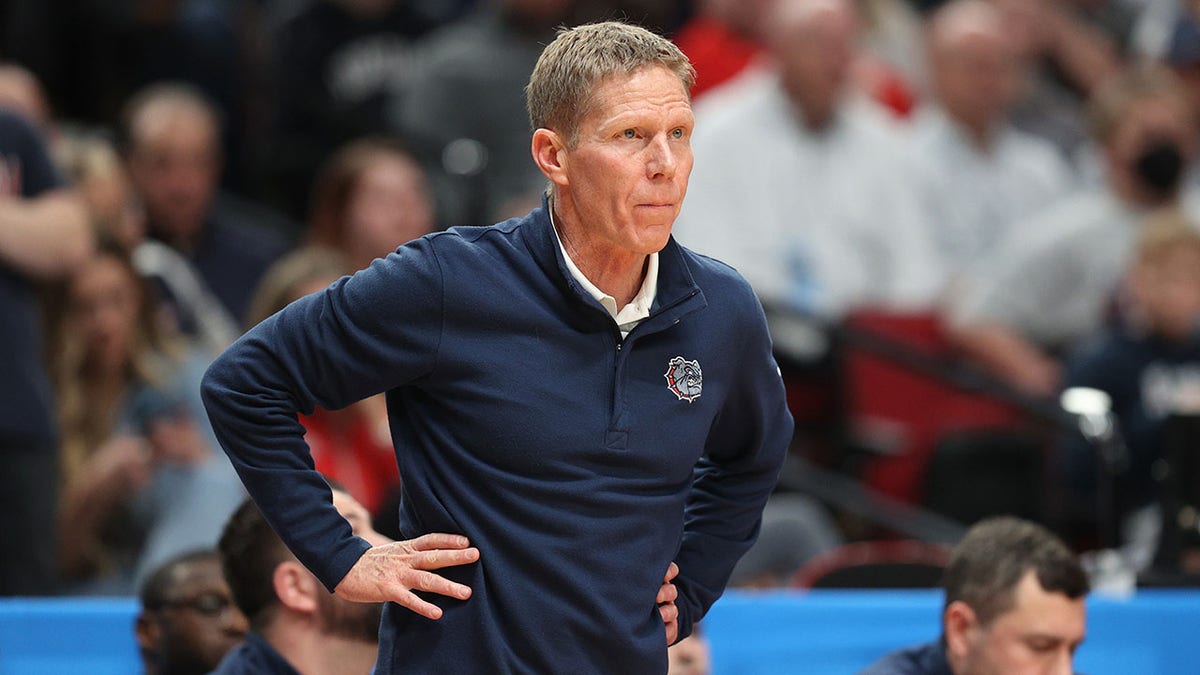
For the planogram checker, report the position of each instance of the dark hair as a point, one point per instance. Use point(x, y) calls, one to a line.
point(250, 552)
point(996, 553)
point(341, 176)
point(155, 588)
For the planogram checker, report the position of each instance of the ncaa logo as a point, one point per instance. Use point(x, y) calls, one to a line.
point(684, 379)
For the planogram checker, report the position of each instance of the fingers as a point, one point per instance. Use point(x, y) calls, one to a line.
point(432, 583)
point(666, 593)
point(436, 540)
point(669, 612)
point(439, 558)
point(416, 604)
point(672, 572)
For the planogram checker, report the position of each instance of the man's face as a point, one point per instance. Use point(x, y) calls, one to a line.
point(629, 170)
point(174, 162)
point(198, 624)
point(976, 72)
point(1038, 636)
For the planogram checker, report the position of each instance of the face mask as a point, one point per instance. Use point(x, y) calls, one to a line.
point(1160, 167)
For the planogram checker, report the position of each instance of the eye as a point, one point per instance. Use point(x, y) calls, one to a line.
point(677, 133)
point(629, 134)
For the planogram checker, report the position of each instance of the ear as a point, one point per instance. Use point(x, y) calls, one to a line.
point(550, 153)
point(147, 632)
point(296, 587)
point(959, 624)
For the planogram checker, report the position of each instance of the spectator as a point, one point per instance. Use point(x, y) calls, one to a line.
point(352, 445)
point(1014, 604)
point(174, 159)
point(21, 93)
point(141, 480)
point(987, 174)
point(804, 189)
point(1149, 366)
point(44, 235)
point(296, 626)
point(188, 621)
point(1052, 282)
point(371, 197)
point(339, 65)
point(95, 167)
point(465, 114)
point(1069, 60)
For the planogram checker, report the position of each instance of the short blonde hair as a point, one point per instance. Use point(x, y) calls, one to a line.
point(560, 90)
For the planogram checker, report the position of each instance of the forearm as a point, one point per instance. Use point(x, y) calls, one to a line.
point(1008, 356)
point(45, 237)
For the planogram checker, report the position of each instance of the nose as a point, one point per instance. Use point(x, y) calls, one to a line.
point(661, 160)
point(234, 622)
point(1063, 665)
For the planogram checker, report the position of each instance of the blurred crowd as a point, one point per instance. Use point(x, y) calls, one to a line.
point(953, 212)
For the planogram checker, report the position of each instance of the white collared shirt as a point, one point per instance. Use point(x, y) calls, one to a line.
point(630, 315)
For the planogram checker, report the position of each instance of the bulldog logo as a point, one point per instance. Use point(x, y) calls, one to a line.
point(684, 379)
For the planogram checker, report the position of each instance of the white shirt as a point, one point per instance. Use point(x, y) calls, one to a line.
point(820, 222)
point(978, 196)
point(1055, 277)
point(630, 315)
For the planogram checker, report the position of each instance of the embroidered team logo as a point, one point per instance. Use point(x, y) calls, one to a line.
point(684, 379)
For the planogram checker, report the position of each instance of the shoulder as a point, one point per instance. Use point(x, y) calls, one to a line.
point(719, 282)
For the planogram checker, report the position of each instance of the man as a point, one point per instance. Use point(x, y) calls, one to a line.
point(1054, 281)
point(1014, 605)
point(296, 626)
point(173, 152)
point(988, 175)
point(805, 187)
point(44, 235)
point(188, 620)
point(552, 382)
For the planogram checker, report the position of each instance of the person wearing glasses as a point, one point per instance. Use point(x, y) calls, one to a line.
point(188, 621)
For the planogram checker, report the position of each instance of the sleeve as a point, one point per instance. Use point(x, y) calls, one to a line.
point(744, 453)
point(38, 174)
point(372, 332)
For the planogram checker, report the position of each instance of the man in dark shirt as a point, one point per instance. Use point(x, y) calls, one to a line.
point(296, 626)
point(44, 234)
point(174, 159)
point(1014, 606)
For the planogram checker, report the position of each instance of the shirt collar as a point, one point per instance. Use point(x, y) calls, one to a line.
point(628, 316)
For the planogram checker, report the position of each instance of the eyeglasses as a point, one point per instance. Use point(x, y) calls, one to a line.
point(209, 604)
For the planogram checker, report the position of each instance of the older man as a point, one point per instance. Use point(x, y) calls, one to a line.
point(806, 188)
point(581, 408)
point(1014, 605)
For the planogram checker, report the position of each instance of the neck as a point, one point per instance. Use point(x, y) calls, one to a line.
point(616, 271)
point(312, 652)
point(981, 134)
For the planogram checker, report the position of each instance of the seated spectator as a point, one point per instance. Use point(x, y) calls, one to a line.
point(465, 113)
point(353, 445)
point(173, 153)
point(93, 165)
point(1052, 282)
point(806, 190)
point(986, 174)
point(142, 476)
point(1014, 604)
point(188, 621)
point(1148, 366)
point(370, 198)
point(296, 626)
point(44, 235)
